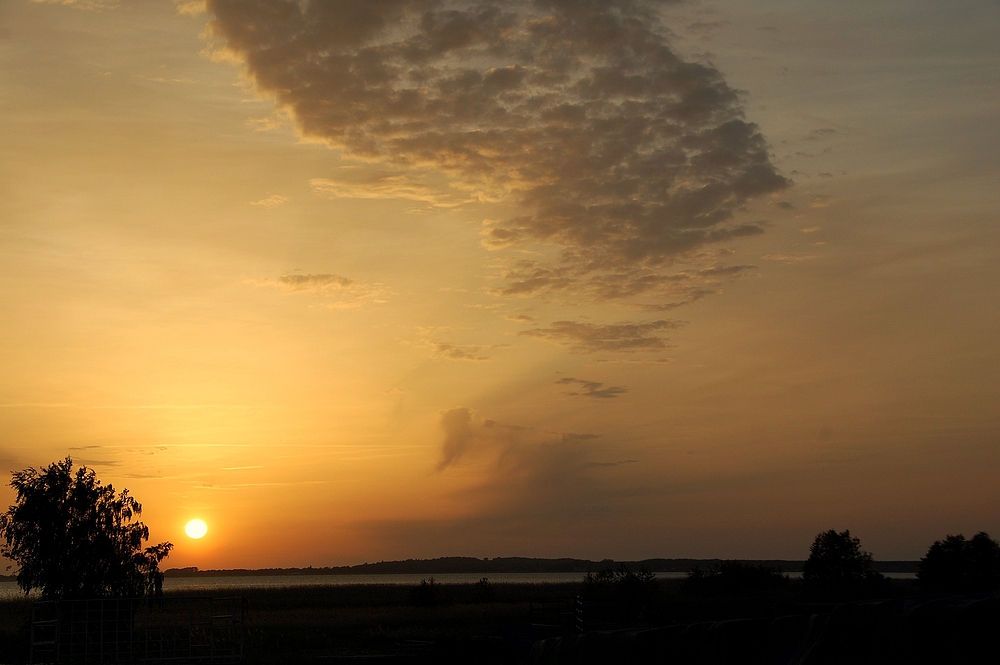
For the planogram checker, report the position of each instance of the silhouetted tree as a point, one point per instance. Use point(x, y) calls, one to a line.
point(836, 560)
point(75, 538)
point(957, 565)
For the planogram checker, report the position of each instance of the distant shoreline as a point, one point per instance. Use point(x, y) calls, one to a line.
point(510, 565)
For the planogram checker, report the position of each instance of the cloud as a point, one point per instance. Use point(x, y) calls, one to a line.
point(272, 201)
point(344, 292)
point(458, 435)
point(314, 282)
point(705, 29)
point(527, 277)
point(354, 184)
point(92, 5)
point(190, 7)
point(579, 116)
point(517, 485)
point(626, 337)
point(592, 388)
point(467, 435)
point(788, 258)
point(822, 133)
point(459, 352)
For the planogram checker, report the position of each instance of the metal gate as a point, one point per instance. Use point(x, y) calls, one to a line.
point(138, 630)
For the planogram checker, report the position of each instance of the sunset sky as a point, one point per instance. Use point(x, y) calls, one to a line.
point(354, 281)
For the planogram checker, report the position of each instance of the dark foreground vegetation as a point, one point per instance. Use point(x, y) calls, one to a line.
point(732, 614)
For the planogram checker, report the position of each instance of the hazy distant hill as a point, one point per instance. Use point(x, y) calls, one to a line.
point(512, 565)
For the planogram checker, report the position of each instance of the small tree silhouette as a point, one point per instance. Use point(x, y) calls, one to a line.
point(74, 538)
point(836, 560)
point(957, 565)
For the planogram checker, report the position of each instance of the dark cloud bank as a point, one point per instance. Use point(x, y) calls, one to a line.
point(615, 151)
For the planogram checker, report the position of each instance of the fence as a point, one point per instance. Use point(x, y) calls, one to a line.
point(138, 630)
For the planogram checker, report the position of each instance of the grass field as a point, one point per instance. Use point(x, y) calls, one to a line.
point(483, 622)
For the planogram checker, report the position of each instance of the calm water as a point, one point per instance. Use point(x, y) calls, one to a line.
point(205, 585)
point(197, 585)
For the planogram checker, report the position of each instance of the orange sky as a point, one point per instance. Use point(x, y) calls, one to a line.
point(362, 281)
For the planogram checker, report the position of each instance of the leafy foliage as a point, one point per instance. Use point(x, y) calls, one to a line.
point(75, 538)
point(958, 565)
point(837, 560)
point(632, 588)
point(425, 595)
point(734, 578)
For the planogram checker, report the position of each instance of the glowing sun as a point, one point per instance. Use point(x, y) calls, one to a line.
point(196, 529)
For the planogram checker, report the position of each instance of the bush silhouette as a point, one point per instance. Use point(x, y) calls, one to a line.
point(836, 561)
point(633, 590)
point(75, 538)
point(425, 595)
point(957, 565)
point(734, 578)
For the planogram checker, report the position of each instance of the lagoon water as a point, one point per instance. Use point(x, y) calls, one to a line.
point(233, 584)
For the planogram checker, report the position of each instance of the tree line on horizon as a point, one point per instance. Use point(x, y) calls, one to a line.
point(73, 537)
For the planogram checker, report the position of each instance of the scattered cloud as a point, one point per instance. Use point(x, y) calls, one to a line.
point(822, 133)
point(612, 464)
point(314, 283)
point(636, 361)
point(811, 229)
point(520, 318)
point(272, 201)
point(821, 201)
point(526, 277)
point(788, 258)
point(592, 388)
point(341, 292)
point(626, 337)
point(358, 184)
point(190, 7)
point(580, 117)
point(705, 29)
point(92, 5)
point(461, 352)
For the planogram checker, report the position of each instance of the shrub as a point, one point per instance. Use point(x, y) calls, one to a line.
point(735, 578)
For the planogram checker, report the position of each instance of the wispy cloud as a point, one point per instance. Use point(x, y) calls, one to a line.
point(339, 292)
point(190, 7)
point(788, 258)
point(594, 389)
point(627, 337)
point(357, 184)
point(460, 352)
point(272, 201)
point(92, 5)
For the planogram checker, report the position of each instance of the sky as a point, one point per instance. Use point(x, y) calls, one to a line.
point(414, 278)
